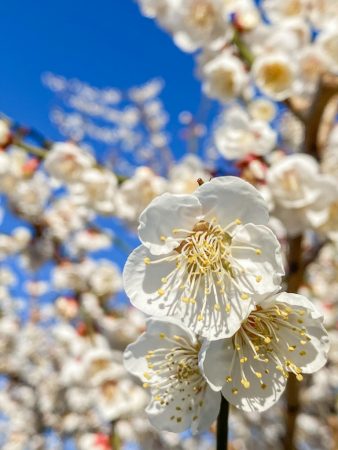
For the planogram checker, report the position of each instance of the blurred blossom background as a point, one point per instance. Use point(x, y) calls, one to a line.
point(103, 107)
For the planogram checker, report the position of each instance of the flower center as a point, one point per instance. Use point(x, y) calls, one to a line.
point(206, 249)
point(204, 266)
point(269, 336)
point(202, 14)
point(275, 76)
point(174, 372)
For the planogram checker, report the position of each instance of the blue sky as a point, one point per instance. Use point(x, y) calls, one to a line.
point(105, 43)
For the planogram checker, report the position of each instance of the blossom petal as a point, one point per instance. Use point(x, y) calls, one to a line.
point(164, 214)
point(221, 366)
point(230, 198)
point(216, 317)
point(143, 283)
point(155, 337)
point(257, 251)
point(309, 354)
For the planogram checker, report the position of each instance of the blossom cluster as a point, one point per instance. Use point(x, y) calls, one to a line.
point(210, 274)
point(215, 261)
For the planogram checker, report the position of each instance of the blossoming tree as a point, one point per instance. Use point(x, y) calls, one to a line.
point(233, 285)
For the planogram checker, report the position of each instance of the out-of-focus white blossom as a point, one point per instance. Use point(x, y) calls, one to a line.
point(67, 162)
point(302, 196)
point(224, 77)
point(275, 74)
point(237, 135)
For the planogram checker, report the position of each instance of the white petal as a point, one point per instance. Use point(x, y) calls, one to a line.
point(208, 412)
point(142, 283)
point(155, 337)
point(262, 262)
point(312, 355)
point(219, 360)
point(219, 319)
point(162, 216)
point(214, 361)
point(230, 198)
point(262, 393)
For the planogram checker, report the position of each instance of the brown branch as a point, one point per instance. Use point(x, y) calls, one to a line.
point(327, 89)
point(295, 279)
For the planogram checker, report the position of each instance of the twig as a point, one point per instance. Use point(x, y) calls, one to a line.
point(222, 426)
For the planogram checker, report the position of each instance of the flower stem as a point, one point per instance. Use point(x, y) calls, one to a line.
point(222, 426)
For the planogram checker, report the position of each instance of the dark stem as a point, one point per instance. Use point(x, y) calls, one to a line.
point(222, 426)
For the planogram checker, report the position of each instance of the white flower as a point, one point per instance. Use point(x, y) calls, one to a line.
point(224, 77)
point(198, 23)
point(101, 364)
point(96, 188)
point(262, 109)
point(106, 278)
point(183, 175)
point(323, 12)
point(30, 196)
point(302, 195)
point(136, 193)
point(118, 399)
point(5, 133)
point(328, 43)
point(66, 161)
point(65, 216)
point(278, 11)
point(238, 135)
point(283, 335)
point(203, 255)
point(165, 358)
point(89, 240)
point(154, 8)
point(274, 74)
point(312, 63)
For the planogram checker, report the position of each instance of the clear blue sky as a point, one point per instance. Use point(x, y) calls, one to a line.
point(102, 42)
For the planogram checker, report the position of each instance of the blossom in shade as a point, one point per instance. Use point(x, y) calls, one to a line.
point(203, 256)
point(165, 358)
point(282, 335)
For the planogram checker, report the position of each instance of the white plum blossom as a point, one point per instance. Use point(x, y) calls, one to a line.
point(262, 109)
point(203, 256)
point(198, 23)
point(275, 74)
point(67, 162)
point(301, 194)
point(278, 11)
point(284, 334)
point(165, 358)
point(96, 188)
point(312, 63)
point(66, 216)
point(106, 278)
point(30, 196)
point(237, 135)
point(137, 192)
point(119, 398)
point(328, 44)
point(224, 77)
point(183, 175)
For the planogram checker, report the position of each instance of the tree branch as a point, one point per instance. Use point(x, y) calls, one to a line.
point(222, 426)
